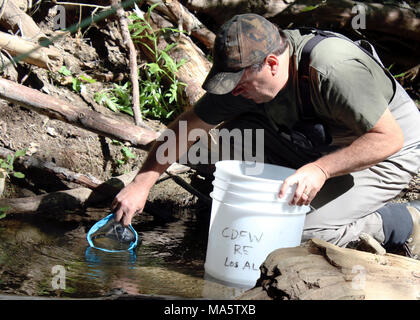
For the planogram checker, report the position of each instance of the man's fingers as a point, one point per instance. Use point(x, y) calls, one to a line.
point(286, 185)
point(300, 196)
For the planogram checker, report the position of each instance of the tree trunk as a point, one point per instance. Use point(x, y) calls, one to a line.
point(80, 117)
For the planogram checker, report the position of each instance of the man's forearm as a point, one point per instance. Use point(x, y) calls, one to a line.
point(152, 168)
point(366, 151)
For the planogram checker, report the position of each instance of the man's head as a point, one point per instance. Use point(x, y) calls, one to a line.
point(244, 46)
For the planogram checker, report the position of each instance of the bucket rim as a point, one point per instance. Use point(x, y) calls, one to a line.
point(248, 188)
point(309, 208)
point(271, 181)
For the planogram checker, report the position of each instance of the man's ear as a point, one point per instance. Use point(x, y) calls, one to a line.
point(273, 62)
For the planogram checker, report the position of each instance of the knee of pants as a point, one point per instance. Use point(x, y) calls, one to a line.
point(331, 235)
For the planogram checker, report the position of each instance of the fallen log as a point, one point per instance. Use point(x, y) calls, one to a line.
point(81, 117)
point(322, 271)
point(30, 52)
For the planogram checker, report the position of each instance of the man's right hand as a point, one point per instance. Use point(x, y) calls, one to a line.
point(129, 201)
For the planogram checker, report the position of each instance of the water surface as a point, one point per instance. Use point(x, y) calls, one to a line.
point(41, 257)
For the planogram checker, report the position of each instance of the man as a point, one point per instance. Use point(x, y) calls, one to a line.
point(372, 149)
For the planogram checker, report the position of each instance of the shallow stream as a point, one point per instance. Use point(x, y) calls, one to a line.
point(41, 257)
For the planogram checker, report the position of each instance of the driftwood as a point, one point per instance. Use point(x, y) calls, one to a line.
point(78, 116)
point(47, 58)
point(323, 271)
point(132, 59)
point(13, 18)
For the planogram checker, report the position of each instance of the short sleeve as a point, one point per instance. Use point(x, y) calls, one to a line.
point(214, 109)
point(352, 96)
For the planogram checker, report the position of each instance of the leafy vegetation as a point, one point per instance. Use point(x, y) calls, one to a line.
point(7, 169)
point(159, 87)
point(77, 83)
point(7, 165)
point(158, 100)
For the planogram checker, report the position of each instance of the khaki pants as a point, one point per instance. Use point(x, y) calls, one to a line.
point(346, 205)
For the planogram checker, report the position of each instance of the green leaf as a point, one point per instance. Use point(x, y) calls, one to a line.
point(20, 153)
point(18, 175)
point(400, 75)
point(154, 68)
point(127, 152)
point(309, 8)
point(75, 84)
point(87, 79)
point(64, 71)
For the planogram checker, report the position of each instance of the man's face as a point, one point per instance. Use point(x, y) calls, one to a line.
point(262, 86)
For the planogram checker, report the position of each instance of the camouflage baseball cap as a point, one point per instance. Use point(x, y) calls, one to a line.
point(242, 41)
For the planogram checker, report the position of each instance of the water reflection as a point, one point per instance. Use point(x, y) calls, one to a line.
point(169, 260)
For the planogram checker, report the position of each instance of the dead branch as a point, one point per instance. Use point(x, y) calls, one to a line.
point(133, 60)
point(78, 116)
point(47, 58)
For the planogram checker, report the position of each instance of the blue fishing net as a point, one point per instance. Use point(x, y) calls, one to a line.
point(110, 236)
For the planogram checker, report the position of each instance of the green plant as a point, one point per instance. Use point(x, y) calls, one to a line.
point(3, 211)
point(77, 82)
point(117, 98)
point(7, 165)
point(157, 99)
point(7, 169)
point(126, 153)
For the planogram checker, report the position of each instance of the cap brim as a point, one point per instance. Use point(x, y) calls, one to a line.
point(221, 82)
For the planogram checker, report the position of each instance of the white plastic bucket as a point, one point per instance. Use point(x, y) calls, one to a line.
point(247, 223)
point(240, 240)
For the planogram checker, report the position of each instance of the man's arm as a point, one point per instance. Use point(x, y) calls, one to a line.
point(132, 198)
point(382, 141)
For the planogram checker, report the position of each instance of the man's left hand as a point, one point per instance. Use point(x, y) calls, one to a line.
point(309, 180)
